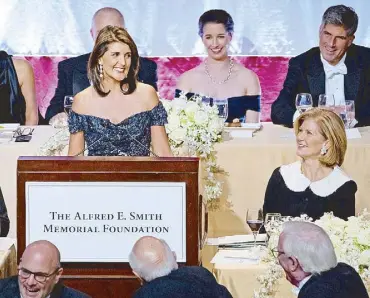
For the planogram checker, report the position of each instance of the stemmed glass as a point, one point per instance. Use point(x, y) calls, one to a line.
point(68, 101)
point(303, 102)
point(223, 109)
point(254, 220)
point(270, 218)
point(350, 113)
point(326, 101)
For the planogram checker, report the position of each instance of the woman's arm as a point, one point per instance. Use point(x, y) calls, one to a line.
point(253, 87)
point(76, 143)
point(160, 143)
point(77, 137)
point(26, 81)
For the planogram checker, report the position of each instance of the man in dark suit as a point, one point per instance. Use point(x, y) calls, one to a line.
point(153, 262)
point(307, 255)
point(39, 275)
point(336, 67)
point(72, 73)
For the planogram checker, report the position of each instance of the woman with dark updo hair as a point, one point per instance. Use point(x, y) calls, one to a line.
point(219, 76)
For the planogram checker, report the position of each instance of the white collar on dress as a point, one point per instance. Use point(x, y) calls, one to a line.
point(296, 181)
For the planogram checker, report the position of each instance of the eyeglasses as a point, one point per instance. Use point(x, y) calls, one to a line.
point(27, 131)
point(277, 253)
point(38, 276)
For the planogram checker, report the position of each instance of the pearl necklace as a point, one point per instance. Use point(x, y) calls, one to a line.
point(231, 65)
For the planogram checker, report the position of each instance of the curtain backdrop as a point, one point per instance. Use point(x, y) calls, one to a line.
point(169, 27)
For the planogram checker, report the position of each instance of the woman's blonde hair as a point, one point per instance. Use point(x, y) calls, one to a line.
point(107, 36)
point(332, 129)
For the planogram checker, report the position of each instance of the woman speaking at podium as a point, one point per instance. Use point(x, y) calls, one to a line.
point(117, 115)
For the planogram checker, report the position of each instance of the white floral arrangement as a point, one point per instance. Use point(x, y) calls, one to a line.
point(193, 129)
point(57, 145)
point(351, 241)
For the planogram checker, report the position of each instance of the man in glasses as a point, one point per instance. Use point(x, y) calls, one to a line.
point(39, 272)
point(307, 255)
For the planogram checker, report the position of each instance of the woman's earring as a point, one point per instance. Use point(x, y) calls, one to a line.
point(100, 70)
point(323, 150)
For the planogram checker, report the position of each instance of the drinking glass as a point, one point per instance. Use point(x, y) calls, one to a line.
point(350, 112)
point(68, 100)
point(223, 109)
point(326, 101)
point(207, 100)
point(303, 102)
point(270, 218)
point(254, 220)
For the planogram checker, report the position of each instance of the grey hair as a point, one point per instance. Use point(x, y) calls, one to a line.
point(149, 272)
point(310, 244)
point(341, 15)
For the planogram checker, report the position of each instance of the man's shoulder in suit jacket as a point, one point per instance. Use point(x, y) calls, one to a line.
point(187, 281)
point(9, 288)
point(341, 281)
point(72, 79)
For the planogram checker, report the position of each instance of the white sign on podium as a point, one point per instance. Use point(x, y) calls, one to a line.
point(101, 221)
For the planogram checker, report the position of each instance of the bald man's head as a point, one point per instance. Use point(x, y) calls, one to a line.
point(151, 258)
point(104, 17)
point(39, 269)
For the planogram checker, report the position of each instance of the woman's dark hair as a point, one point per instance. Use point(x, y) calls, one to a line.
point(217, 16)
point(107, 36)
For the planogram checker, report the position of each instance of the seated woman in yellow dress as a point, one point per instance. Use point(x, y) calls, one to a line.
point(219, 76)
point(316, 184)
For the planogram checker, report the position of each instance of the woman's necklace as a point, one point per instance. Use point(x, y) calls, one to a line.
point(231, 65)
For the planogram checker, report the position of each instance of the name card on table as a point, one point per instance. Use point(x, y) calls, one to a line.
point(101, 221)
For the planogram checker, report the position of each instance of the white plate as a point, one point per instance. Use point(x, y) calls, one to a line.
point(9, 126)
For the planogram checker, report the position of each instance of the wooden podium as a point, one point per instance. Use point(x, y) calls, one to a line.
point(107, 279)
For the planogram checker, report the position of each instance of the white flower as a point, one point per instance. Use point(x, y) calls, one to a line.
point(365, 258)
point(200, 118)
point(191, 109)
point(363, 237)
point(193, 128)
point(178, 135)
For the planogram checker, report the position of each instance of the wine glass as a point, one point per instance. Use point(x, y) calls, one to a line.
point(68, 100)
point(303, 102)
point(254, 220)
point(270, 218)
point(223, 109)
point(326, 101)
point(350, 112)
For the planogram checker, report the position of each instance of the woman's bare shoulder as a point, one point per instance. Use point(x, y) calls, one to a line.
point(82, 100)
point(188, 78)
point(148, 95)
point(249, 78)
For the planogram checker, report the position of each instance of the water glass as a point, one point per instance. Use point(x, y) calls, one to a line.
point(350, 112)
point(223, 109)
point(68, 101)
point(303, 102)
point(326, 101)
